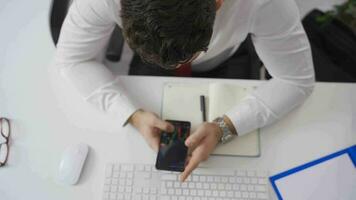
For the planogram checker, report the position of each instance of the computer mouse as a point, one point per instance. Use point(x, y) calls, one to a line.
point(72, 163)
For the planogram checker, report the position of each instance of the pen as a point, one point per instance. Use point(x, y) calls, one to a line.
point(202, 107)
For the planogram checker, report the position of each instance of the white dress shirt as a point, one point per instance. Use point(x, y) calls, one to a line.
point(277, 34)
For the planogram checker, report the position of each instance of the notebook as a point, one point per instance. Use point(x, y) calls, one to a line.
point(328, 178)
point(181, 101)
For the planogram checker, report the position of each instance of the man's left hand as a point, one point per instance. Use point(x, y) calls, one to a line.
point(202, 142)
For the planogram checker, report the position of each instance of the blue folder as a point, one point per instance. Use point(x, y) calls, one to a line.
point(351, 152)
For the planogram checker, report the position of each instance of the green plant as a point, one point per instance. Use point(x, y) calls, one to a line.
point(345, 12)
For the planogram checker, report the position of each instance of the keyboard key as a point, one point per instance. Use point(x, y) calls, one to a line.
point(117, 168)
point(224, 179)
point(108, 172)
point(199, 185)
point(262, 196)
point(169, 184)
point(146, 190)
point(130, 175)
point(241, 173)
point(206, 186)
point(191, 185)
point(217, 179)
point(202, 178)
point(165, 198)
point(200, 192)
point(254, 180)
point(140, 168)
point(128, 189)
point(138, 190)
point(232, 180)
point(147, 168)
point(170, 191)
point(129, 182)
point(239, 180)
point(253, 195)
point(262, 181)
point(177, 184)
point(127, 196)
point(250, 173)
point(163, 190)
point(106, 196)
point(245, 195)
point(106, 188)
point(112, 196)
point(115, 181)
point(236, 187)
point(113, 188)
point(214, 186)
point(170, 177)
point(195, 178)
point(230, 194)
point(193, 192)
point(127, 167)
point(246, 180)
point(260, 188)
point(153, 190)
point(222, 194)
point(238, 194)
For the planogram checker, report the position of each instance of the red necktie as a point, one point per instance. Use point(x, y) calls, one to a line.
point(184, 70)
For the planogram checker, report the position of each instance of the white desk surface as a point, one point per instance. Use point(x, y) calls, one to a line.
point(46, 117)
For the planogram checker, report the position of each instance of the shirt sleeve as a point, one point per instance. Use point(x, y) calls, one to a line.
point(84, 35)
point(283, 46)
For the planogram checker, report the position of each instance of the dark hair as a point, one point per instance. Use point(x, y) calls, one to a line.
point(166, 32)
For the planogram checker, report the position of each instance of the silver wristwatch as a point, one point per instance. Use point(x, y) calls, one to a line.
point(227, 134)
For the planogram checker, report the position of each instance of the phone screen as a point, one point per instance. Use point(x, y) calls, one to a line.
point(172, 152)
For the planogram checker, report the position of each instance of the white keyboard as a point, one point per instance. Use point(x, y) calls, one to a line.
point(144, 182)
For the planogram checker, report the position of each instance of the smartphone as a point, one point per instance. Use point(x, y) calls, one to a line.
point(173, 153)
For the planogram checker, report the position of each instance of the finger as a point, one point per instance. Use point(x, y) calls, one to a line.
point(192, 164)
point(163, 125)
point(154, 145)
point(194, 138)
point(153, 140)
point(187, 160)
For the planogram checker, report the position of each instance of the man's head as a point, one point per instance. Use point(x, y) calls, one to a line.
point(168, 32)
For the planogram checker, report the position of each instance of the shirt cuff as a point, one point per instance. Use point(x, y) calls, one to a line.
point(113, 100)
point(123, 109)
point(244, 116)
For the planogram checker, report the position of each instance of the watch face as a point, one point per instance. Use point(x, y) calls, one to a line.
point(227, 138)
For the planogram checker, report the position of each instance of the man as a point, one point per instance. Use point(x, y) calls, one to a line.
point(200, 33)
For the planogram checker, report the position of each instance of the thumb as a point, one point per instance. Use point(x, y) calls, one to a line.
point(163, 125)
point(195, 138)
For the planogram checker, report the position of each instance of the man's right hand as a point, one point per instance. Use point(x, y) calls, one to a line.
point(150, 126)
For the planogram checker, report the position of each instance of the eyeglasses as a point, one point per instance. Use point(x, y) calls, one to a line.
point(4, 140)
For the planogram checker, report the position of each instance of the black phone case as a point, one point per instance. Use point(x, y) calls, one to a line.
point(171, 168)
